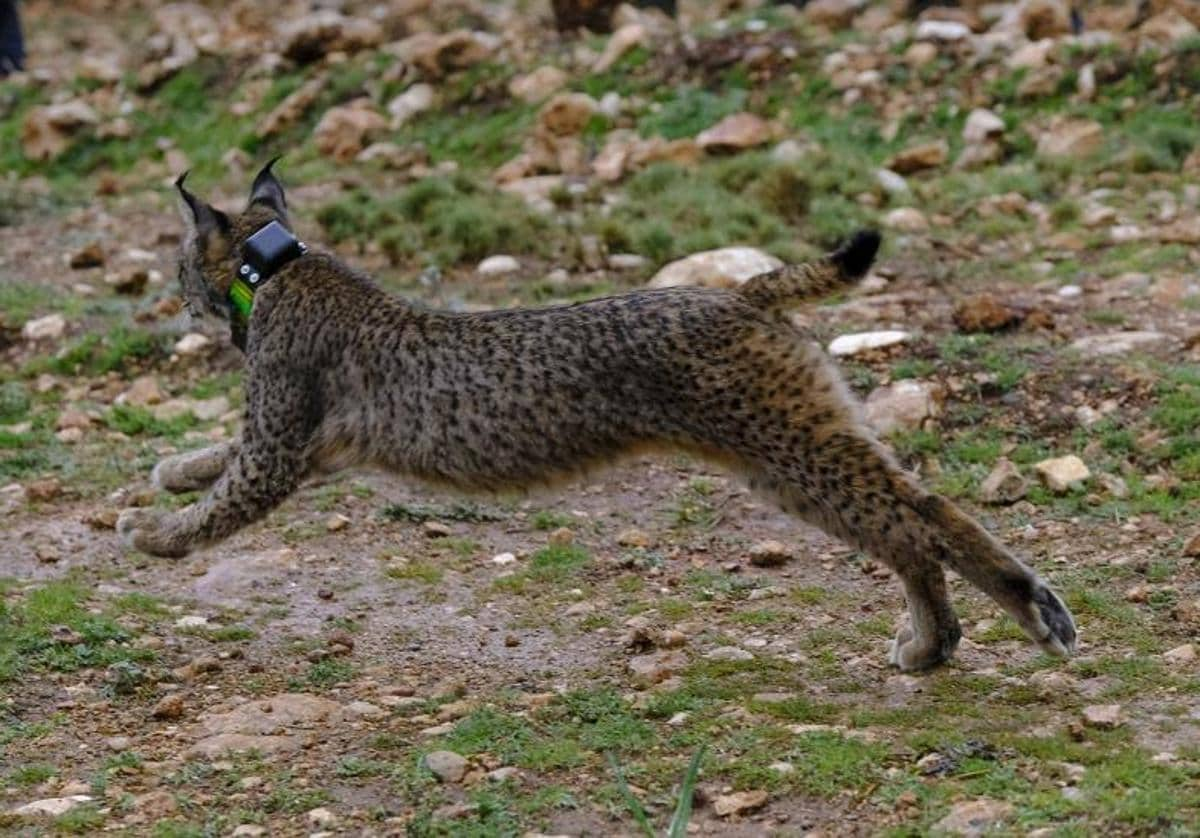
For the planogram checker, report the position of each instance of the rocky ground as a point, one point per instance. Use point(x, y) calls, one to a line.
point(376, 658)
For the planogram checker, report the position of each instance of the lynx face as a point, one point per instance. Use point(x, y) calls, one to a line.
point(207, 259)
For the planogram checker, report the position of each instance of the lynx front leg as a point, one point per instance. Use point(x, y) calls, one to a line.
point(263, 468)
point(256, 481)
point(193, 470)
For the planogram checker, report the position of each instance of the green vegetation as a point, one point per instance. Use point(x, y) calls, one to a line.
point(49, 627)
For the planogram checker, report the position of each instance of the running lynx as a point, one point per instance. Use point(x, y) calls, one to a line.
point(339, 373)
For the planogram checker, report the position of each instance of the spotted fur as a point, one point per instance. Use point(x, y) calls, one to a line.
point(339, 373)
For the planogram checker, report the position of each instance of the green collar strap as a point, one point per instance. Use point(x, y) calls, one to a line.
point(264, 253)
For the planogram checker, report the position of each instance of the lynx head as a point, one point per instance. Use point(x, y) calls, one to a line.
point(211, 245)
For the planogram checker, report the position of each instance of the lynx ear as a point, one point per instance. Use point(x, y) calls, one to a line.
point(267, 190)
point(203, 218)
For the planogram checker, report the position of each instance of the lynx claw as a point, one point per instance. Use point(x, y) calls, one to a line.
point(1055, 628)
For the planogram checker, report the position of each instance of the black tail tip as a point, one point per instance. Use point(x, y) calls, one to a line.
point(854, 258)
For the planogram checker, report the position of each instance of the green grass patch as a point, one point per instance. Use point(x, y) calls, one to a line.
point(50, 627)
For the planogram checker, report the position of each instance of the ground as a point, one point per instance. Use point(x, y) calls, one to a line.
point(582, 644)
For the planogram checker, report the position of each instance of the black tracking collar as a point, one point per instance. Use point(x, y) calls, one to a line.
point(264, 253)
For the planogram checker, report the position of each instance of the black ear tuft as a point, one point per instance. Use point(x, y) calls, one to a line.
point(205, 218)
point(267, 190)
point(854, 258)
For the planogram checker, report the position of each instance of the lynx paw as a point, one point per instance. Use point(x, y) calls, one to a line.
point(908, 654)
point(189, 472)
point(141, 529)
point(1049, 622)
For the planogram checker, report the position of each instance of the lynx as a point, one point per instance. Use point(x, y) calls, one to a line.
point(340, 373)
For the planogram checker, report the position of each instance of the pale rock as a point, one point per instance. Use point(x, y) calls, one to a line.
point(1097, 215)
point(1103, 716)
point(611, 104)
point(291, 109)
point(534, 191)
point(974, 817)
point(278, 713)
point(1004, 484)
point(724, 268)
point(940, 30)
point(1183, 231)
point(503, 559)
point(738, 803)
point(920, 157)
point(192, 343)
point(249, 830)
point(729, 653)
point(73, 418)
point(1060, 473)
point(47, 131)
point(922, 52)
point(1066, 137)
point(770, 554)
point(1114, 485)
point(51, 807)
point(345, 130)
point(498, 265)
point(657, 666)
point(906, 220)
point(315, 35)
point(1168, 29)
point(191, 622)
point(979, 156)
point(982, 125)
point(1044, 18)
point(1085, 85)
point(437, 54)
point(1122, 343)
point(417, 99)
point(322, 817)
point(580, 609)
point(834, 14)
point(447, 766)
point(1126, 233)
point(171, 409)
point(789, 152)
point(627, 261)
point(365, 710)
point(1181, 655)
point(504, 774)
point(50, 327)
point(538, 85)
point(621, 42)
point(735, 132)
point(169, 707)
point(118, 743)
point(392, 156)
point(336, 522)
point(208, 410)
point(853, 344)
point(566, 114)
point(105, 69)
point(633, 537)
point(892, 183)
point(903, 405)
point(784, 768)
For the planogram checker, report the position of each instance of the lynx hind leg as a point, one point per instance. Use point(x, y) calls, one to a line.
point(980, 559)
point(193, 470)
point(863, 497)
point(858, 513)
